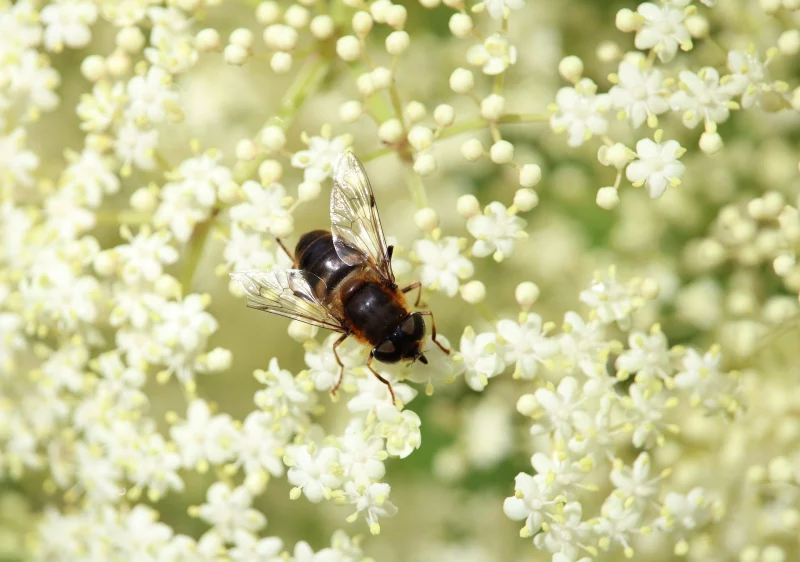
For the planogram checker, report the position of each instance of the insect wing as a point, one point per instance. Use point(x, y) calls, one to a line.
point(291, 293)
point(355, 223)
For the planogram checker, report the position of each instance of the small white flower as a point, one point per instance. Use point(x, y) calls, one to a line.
point(647, 356)
point(315, 473)
point(103, 107)
point(201, 177)
point(709, 386)
point(67, 24)
point(702, 99)
point(259, 445)
point(264, 205)
point(400, 429)
point(152, 98)
point(249, 548)
point(580, 112)
point(646, 408)
point(685, 512)
point(186, 324)
point(203, 437)
point(66, 215)
point(610, 299)
point(373, 395)
point(318, 159)
point(31, 83)
point(663, 30)
point(497, 8)
point(284, 394)
point(145, 254)
point(371, 500)
point(16, 163)
point(749, 77)
point(443, 264)
point(229, 511)
point(89, 173)
point(179, 211)
point(525, 344)
point(657, 166)
point(635, 481)
point(480, 357)
point(495, 231)
point(640, 92)
point(136, 147)
point(494, 55)
point(531, 500)
point(565, 533)
point(362, 454)
point(562, 409)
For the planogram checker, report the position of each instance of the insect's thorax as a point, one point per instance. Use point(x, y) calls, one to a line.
point(372, 310)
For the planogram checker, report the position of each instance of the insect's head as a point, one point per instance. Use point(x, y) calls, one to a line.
point(404, 343)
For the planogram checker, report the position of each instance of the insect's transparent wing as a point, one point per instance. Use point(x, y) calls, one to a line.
point(291, 293)
point(355, 223)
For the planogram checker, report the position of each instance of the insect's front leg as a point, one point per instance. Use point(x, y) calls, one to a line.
point(411, 287)
point(433, 331)
point(336, 344)
point(380, 378)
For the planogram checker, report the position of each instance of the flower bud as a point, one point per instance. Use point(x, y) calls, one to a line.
point(425, 164)
point(242, 37)
point(626, 20)
point(697, 26)
point(236, 55)
point(130, 39)
point(390, 131)
point(473, 292)
point(501, 152)
point(273, 137)
point(118, 63)
point(281, 62)
point(308, 190)
point(246, 150)
point(608, 52)
point(426, 219)
point(607, 198)
point(789, 42)
point(492, 107)
point(397, 42)
point(378, 10)
point(106, 262)
point(268, 13)
point(381, 77)
point(444, 115)
point(93, 68)
point(208, 40)
point(144, 200)
point(351, 111)
point(530, 175)
point(468, 206)
point(571, 68)
point(526, 293)
point(322, 26)
point(282, 226)
point(525, 199)
point(348, 48)
point(460, 25)
point(362, 23)
point(301, 332)
point(420, 137)
point(472, 150)
point(297, 16)
point(270, 171)
point(710, 143)
point(396, 16)
point(527, 404)
point(415, 111)
point(461, 81)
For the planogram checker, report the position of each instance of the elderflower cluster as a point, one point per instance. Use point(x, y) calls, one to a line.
point(148, 149)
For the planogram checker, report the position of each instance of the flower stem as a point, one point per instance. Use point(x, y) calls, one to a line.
point(195, 250)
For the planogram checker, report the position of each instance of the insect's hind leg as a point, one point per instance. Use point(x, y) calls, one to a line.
point(285, 249)
point(433, 331)
point(415, 285)
point(380, 378)
point(336, 344)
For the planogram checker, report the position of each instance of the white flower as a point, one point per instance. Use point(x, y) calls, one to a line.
point(362, 454)
point(561, 408)
point(145, 254)
point(618, 523)
point(179, 211)
point(201, 177)
point(685, 512)
point(494, 55)
point(16, 163)
point(89, 173)
point(152, 98)
point(646, 408)
point(284, 394)
point(100, 109)
point(583, 346)
point(647, 356)
point(136, 146)
point(67, 24)
point(245, 251)
point(635, 481)
point(530, 502)
point(373, 394)
point(264, 206)
point(249, 548)
point(443, 264)
point(400, 429)
point(663, 30)
point(525, 344)
point(229, 510)
point(702, 99)
point(657, 166)
point(372, 500)
point(749, 77)
point(203, 437)
point(610, 299)
point(315, 473)
point(320, 156)
point(480, 357)
point(639, 92)
point(260, 444)
point(152, 465)
point(31, 83)
point(565, 533)
point(709, 386)
point(66, 216)
point(495, 231)
point(497, 8)
point(580, 112)
point(186, 324)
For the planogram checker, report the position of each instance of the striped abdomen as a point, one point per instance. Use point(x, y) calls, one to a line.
point(371, 310)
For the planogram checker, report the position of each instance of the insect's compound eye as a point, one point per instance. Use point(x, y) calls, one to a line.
point(413, 326)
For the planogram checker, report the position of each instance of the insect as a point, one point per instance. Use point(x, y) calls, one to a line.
point(343, 281)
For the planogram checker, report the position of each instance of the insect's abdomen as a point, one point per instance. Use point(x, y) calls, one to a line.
point(316, 254)
point(373, 310)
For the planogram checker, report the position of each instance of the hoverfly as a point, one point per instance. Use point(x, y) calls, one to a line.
point(343, 281)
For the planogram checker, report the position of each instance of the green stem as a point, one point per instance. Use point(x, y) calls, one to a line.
point(196, 246)
point(109, 217)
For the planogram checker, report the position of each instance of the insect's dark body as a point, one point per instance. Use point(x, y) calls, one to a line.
point(371, 307)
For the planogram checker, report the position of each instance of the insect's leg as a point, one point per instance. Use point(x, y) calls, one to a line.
point(414, 285)
point(336, 344)
point(380, 378)
point(389, 252)
point(433, 330)
point(285, 249)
